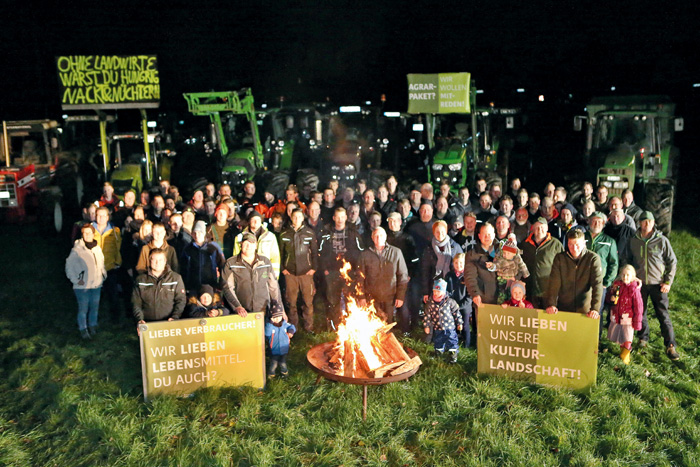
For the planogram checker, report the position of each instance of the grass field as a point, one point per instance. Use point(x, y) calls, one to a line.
point(66, 402)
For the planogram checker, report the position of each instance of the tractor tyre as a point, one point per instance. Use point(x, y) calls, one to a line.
point(274, 181)
point(50, 216)
point(307, 178)
point(492, 178)
point(659, 199)
point(574, 193)
point(377, 178)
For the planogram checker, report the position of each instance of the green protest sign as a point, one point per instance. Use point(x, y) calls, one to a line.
point(93, 82)
point(556, 350)
point(181, 356)
point(439, 93)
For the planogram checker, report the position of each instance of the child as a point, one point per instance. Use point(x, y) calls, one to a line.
point(443, 316)
point(509, 266)
point(517, 296)
point(626, 312)
point(278, 332)
point(457, 290)
point(208, 304)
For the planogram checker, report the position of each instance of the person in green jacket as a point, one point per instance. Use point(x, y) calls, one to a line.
point(606, 248)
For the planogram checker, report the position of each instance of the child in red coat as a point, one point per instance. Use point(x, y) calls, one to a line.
point(626, 311)
point(517, 296)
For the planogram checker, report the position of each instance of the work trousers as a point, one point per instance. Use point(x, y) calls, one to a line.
point(303, 285)
point(660, 302)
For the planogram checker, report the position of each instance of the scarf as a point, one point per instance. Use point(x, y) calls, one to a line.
point(443, 251)
point(90, 245)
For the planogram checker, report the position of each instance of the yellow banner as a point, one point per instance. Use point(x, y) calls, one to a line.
point(181, 356)
point(556, 350)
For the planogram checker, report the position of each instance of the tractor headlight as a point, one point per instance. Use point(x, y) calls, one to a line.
point(455, 166)
point(437, 167)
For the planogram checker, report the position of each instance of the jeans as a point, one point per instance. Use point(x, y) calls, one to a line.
point(88, 307)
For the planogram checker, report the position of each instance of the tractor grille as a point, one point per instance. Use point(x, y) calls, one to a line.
point(8, 195)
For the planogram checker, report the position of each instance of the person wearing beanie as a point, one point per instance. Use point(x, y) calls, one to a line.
point(207, 304)
point(278, 333)
point(443, 318)
point(267, 245)
point(517, 296)
point(509, 266)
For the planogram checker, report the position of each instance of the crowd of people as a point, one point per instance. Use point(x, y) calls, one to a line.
point(427, 258)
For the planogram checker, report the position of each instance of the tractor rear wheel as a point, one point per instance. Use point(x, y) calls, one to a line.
point(574, 193)
point(275, 181)
point(659, 200)
point(307, 178)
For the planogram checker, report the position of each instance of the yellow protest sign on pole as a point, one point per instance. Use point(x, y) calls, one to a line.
point(556, 350)
point(181, 356)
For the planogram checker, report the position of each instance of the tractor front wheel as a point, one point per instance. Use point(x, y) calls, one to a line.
point(659, 199)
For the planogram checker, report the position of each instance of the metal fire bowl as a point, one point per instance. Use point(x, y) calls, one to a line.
point(316, 357)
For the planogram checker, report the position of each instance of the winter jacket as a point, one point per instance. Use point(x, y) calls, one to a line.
point(538, 260)
point(622, 234)
point(457, 290)
point(330, 260)
point(428, 265)
point(249, 286)
point(170, 257)
point(384, 275)
point(87, 265)
point(465, 241)
point(479, 280)
point(110, 241)
point(575, 285)
point(513, 303)
point(606, 248)
point(267, 247)
point(179, 241)
point(158, 298)
point(277, 338)
point(199, 265)
point(195, 308)
point(629, 301)
point(653, 258)
point(225, 241)
point(405, 243)
point(299, 250)
point(442, 316)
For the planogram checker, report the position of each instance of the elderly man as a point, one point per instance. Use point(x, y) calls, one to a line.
point(539, 250)
point(576, 281)
point(654, 260)
point(481, 283)
point(383, 275)
point(159, 293)
point(248, 280)
point(521, 226)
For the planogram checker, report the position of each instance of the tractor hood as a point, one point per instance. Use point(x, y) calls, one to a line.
point(620, 158)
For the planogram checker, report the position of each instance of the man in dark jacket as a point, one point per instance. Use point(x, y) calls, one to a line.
point(299, 263)
point(653, 258)
point(201, 261)
point(383, 276)
point(158, 294)
point(621, 233)
point(576, 282)
point(338, 243)
point(248, 280)
point(481, 283)
point(539, 250)
point(404, 242)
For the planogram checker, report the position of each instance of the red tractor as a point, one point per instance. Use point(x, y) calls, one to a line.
point(36, 179)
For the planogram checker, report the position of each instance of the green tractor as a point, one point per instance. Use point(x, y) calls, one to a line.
point(630, 142)
point(233, 133)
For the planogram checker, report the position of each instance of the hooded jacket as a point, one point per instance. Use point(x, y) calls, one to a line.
point(267, 247)
point(87, 265)
point(277, 338)
point(653, 258)
point(170, 257)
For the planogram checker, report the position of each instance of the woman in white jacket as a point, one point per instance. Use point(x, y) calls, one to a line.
point(85, 267)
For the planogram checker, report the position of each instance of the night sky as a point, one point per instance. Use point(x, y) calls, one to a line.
point(353, 50)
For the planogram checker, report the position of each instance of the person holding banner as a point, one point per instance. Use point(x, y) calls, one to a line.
point(248, 280)
point(159, 294)
point(576, 281)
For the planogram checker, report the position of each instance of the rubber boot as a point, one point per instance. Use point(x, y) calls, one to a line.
point(625, 356)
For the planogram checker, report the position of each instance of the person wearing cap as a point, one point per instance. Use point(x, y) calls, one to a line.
point(539, 250)
point(299, 263)
point(509, 266)
point(189, 215)
point(158, 294)
point(206, 304)
point(266, 240)
point(221, 231)
point(576, 282)
point(443, 318)
point(383, 276)
point(653, 258)
point(201, 261)
point(606, 248)
point(278, 333)
point(248, 279)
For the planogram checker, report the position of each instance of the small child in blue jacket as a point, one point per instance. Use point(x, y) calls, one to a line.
point(278, 332)
point(443, 316)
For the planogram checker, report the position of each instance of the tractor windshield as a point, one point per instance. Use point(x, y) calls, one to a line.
point(26, 149)
point(631, 130)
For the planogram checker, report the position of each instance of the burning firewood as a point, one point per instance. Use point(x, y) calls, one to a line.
point(393, 347)
point(407, 366)
point(383, 370)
